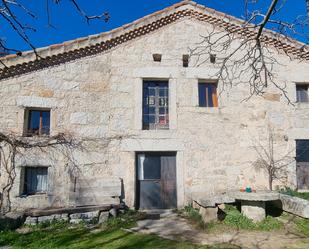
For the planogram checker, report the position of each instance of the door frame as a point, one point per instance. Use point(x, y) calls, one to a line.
point(137, 185)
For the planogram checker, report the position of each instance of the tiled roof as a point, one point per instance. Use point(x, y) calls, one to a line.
point(60, 53)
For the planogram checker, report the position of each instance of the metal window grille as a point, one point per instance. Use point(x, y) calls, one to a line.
point(155, 105)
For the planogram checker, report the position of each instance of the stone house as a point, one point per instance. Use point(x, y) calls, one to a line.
point(155, 131)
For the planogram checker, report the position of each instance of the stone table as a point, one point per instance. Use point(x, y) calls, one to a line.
point(253, 204)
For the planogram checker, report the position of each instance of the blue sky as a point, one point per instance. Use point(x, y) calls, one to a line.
point(70, 25)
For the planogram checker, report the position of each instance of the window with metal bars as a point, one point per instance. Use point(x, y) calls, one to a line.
point(37, 122)
point(155, 105)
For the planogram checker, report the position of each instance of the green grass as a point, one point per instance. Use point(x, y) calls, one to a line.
point(302, 226)
point(291, 192)
point(193, 215)
point(111, 235)
point(235, 219)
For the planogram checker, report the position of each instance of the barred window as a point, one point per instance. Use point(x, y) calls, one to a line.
point(155, 105)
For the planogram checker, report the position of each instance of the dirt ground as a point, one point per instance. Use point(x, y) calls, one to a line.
point(172, 226)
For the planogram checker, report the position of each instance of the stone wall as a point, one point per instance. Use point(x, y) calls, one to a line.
point(99, 99)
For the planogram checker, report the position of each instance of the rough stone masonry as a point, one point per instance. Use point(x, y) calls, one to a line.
point(98, 98)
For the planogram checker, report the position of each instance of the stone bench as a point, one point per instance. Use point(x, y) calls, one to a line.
point(208, 207)
point(71, 214)
point(252, 204)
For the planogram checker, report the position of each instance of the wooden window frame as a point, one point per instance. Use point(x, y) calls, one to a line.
point(25, 191)
point(214, 94)
point(157, 125)
point(27, 125)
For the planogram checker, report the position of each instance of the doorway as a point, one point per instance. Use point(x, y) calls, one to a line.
point(156, 180)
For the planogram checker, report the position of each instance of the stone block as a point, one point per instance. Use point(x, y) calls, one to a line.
point(254, 210)
point(76, 221)
point(272, 96)
point(84, 216)
point(31, 221)
point(49, 218)
point(209, 214)
point(79, 118)
point(295, 205)
point(113, 212)
point(103, 217)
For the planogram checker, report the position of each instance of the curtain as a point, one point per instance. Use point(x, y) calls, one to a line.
point(36, 179)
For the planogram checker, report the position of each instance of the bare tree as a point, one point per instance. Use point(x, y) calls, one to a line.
point(251, 61)
point(275, 165)
point(13, 13)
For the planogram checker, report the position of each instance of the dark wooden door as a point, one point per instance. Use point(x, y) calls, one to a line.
point(156, 181)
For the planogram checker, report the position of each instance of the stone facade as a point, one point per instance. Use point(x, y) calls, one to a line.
point(99, 97)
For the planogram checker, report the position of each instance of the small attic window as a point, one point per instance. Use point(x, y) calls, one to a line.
point(157, 57)
point(213, 58)
point(185, 60)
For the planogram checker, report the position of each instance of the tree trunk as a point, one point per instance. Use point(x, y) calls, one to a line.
point(270, 183)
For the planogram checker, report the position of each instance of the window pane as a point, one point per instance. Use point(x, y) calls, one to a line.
point(202, 95)
point(152, 110)
point(155, 102)
point(152, 168)
point(35, 180)
point(302, 93)
point(163, 92)
point(163, 110)
point(152, 119)
point(34, 122)
point(207, 93)
point(45, 122)
point(38, 122)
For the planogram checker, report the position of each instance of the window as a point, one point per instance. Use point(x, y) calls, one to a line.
point(35, 180)
point(207, 94)
point(37, 122)
point(155, 105)
point(302, 93)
